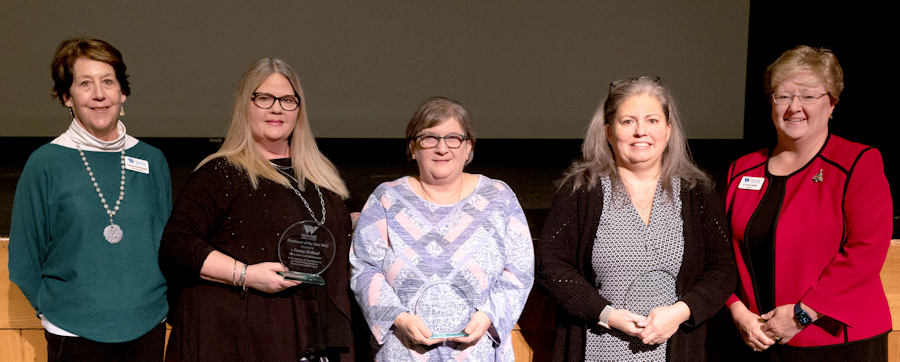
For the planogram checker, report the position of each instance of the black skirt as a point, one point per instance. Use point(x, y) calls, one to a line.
point(874, 349)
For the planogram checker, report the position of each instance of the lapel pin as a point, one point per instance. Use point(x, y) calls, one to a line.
point(818, 177)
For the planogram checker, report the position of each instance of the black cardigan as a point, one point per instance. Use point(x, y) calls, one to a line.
point(564, 271)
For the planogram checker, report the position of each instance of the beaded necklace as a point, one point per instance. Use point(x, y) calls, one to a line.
point(112, 233)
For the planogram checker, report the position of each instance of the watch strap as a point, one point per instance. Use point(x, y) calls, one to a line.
point(604, 317)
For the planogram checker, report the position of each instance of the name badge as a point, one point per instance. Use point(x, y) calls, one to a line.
point(751, 183)
point(137, 164)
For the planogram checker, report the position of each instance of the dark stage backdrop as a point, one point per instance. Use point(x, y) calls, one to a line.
point(525, 70)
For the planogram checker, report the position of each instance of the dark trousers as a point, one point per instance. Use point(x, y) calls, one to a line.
point(148, 347)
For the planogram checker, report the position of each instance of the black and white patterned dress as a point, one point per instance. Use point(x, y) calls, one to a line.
point(636, 267)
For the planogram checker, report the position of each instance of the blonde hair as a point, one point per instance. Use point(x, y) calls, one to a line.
point(820, 62)
point(597, 156)
point(240, 149)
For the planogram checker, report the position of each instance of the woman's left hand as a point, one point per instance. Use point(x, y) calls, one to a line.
point(264, 277)
point(662, 323)
point(780, 323)
point(478, 325)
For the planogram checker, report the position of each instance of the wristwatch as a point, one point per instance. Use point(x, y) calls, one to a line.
point(604, 317)
point(801, 315)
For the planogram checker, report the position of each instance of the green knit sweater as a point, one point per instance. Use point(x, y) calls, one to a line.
point(57, 253)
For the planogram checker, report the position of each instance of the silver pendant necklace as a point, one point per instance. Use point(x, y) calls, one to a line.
point(112, 233)
point(643, 208)
point(321, 199)
point(635, 202)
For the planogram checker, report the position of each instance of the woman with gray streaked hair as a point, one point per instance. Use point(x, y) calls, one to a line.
point(634, 249)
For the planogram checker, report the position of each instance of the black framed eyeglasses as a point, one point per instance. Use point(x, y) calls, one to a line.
point(805, 97)
point(625, 81)
point(266, 101)
point(431, 141)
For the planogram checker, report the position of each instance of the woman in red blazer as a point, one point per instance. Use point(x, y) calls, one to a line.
point(811, 226)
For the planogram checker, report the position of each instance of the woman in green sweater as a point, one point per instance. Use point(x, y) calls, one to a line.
point(88, 215)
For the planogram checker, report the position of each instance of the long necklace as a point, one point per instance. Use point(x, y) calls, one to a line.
point(321, 199)
point(112, 233)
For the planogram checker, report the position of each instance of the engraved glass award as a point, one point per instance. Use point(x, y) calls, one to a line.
point(445, 308)
point(651, 289)
point(306, 250)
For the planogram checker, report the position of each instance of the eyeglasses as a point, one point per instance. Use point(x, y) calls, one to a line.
point(266, 101)
point(431, 141)
point(805, 97)
point(625, 81)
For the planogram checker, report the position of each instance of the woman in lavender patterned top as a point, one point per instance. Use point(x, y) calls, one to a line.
point(440, 248)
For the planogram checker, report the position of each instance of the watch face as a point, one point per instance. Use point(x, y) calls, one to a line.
point(803, 318)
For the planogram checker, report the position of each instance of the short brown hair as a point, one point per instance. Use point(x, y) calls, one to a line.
point(820, 62)
point(435, 111)
point(71, 50)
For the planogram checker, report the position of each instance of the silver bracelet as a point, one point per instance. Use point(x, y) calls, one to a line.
point(604, 317)
point(233, 270)
point(244, 277)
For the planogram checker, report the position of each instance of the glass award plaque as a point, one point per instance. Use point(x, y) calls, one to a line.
point(652, 289)
point(445, 308)
point(306, 250)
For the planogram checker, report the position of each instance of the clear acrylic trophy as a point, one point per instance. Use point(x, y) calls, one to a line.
point(306, 250)
point(445, 308)
point(651, 289)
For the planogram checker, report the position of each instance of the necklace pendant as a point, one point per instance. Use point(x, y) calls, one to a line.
point(113, 233)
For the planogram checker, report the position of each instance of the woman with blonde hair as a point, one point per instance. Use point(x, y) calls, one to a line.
point(221, 246)
point(811, 226)
point(634, 250)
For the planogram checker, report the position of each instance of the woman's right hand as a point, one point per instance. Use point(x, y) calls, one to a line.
point(750, 325)
point(626, 321)
point(264, 277)
point(414, 328)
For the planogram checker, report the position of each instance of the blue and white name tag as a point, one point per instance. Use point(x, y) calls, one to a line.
point(137, 164)
point(751, 183)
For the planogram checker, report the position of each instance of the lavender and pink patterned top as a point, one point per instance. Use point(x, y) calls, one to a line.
point(404, 243)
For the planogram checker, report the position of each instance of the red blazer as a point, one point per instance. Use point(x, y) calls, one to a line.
point(831, 239)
